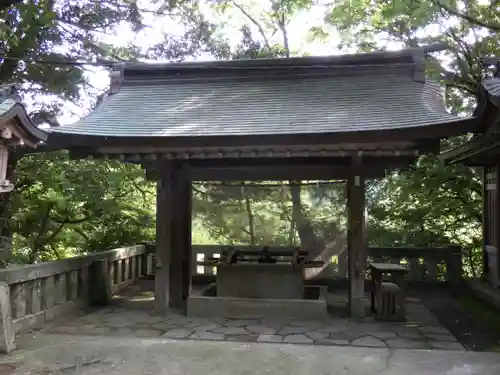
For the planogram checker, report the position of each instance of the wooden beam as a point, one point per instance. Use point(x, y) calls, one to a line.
point(284, 169)
point(278, 174)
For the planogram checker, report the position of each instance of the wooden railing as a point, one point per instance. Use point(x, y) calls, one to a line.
point(34, 294)
point(441, 264)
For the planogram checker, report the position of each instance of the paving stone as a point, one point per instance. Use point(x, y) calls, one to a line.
point(306, 323)
point(178, 333)
point(328, 341)
point(297, 339)
point(65, 329)
point(383, 335)
point(412, 334)
point(317, 335)
point(230, 330)
point(204, 335)
point(207, 327)
point(290, 330)
point(446, 345)
point(402, 343)
point(412, 300)
point(97, 330)
point(147, 332)
point(333, 327)
point(273, 323)
point(270, 338)
point(368, 327)
point(123, 332)
point(245, 338)
point(433, 329)
point(164, 326)
point(441, 337)
point(261, 329)
point(346, 335)
point(118, 323)
point(149, 319)
point(369, 341)
point(193, 324)
point(217, 320)
point(239, 322)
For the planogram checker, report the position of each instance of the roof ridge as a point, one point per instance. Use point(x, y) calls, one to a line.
point(380, 57)
point(413, 56)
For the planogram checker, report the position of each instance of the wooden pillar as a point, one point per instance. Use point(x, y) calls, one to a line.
point(486, 221)
point(491, 225)
point(173, 238)
point(496, 221)
point(186, 234)
point(356, 244)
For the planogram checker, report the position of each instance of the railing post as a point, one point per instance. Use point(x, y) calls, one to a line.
point(101, 284)
point(8, 343)
point(149, 264)
point(454, 265)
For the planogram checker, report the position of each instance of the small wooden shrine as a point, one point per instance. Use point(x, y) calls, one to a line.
point(346, 117)
point(16, 130)
point(483, 150)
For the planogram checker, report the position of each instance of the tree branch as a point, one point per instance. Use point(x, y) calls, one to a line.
point(255, 22)
point(466, 17)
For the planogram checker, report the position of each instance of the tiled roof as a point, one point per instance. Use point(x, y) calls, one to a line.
point(483, 148)
point(349, 94)
point(371, 100)
point(492, 88)
point(11, 108)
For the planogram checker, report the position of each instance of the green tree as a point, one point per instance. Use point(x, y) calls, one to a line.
point(63, 206)
point(431, 203)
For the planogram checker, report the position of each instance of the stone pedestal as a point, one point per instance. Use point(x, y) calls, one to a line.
point(260, 280)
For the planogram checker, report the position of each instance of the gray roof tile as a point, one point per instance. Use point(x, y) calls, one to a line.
point(362, 99)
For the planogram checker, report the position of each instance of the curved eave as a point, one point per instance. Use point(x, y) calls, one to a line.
point(22, 125)
point(59, 140)
point(485, 146)
point(491, 88)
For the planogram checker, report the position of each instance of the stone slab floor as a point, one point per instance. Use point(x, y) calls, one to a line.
point(58, 354)
point(132, 316)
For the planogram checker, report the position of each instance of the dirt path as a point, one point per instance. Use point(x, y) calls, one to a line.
point(463, 315)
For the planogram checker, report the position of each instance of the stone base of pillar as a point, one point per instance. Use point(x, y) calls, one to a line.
point(357, 307)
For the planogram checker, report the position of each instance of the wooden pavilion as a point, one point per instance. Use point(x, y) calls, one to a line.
point(483, 150)
point(339, 117)
point(16, 130)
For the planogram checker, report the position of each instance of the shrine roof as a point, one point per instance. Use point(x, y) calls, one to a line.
point(14, 115)
point(484, 147)
point(353, 97)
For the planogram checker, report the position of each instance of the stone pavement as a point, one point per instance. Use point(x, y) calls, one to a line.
point(421, 331)
point(57, 354)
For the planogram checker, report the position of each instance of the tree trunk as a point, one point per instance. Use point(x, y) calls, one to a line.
point(308, 240)
point(248, 207)
point(304, 227)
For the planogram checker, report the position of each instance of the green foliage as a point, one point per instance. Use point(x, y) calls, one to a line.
point(63, 207)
